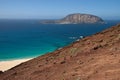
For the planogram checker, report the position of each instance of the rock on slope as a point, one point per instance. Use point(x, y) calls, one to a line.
point(76, 19)
point(96, 57)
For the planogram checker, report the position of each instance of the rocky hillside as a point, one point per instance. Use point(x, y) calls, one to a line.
point(76, 19)
point(96, 57)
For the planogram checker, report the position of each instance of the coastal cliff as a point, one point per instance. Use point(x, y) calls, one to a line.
point(95, 57)
point(76, 19)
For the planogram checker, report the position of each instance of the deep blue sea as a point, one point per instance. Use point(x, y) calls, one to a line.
point(28, 38)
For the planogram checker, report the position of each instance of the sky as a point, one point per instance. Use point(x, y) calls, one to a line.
point(55, 9)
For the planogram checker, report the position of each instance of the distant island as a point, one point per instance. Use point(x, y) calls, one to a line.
point(76, 18)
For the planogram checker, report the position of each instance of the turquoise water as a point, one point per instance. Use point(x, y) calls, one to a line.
point(29, 38)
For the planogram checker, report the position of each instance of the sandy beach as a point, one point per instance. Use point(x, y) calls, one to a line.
point(5, 65)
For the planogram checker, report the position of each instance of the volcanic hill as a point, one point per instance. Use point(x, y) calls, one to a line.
point(76, 18)
point(96, 57)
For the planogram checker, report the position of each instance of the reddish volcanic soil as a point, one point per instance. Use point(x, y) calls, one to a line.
point(96, 57)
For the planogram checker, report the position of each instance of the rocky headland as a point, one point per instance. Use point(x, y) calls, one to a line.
point(95, 57)
point(76, 19)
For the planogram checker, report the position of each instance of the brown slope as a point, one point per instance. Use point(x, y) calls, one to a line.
point(93, 58)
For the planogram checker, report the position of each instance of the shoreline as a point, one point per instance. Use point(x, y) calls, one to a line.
point(6, 65)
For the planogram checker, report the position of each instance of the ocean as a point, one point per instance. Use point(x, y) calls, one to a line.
point(28, 38)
